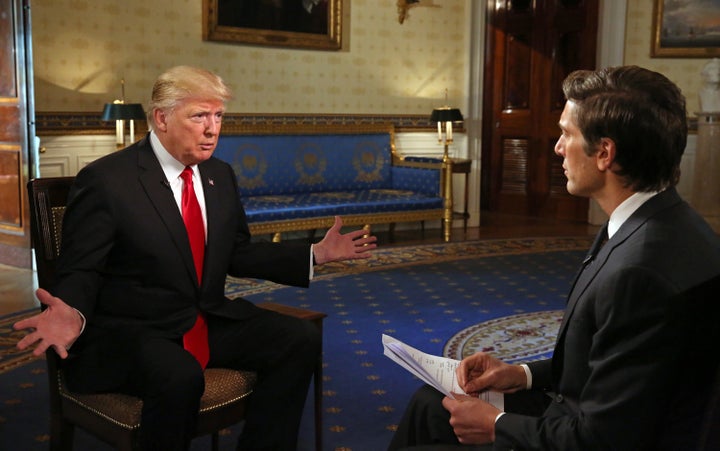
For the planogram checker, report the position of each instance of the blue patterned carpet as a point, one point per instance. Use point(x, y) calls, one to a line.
point(433, 297)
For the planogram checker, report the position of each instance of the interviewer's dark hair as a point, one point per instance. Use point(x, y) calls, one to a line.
point(642, 112)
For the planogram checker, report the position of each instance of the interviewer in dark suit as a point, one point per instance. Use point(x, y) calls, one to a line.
point(127, 288)
point(636, 352)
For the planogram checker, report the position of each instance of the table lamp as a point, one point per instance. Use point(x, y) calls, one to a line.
point(445, 116)
point(119, 111)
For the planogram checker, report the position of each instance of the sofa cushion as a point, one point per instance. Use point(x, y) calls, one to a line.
point(303, 205)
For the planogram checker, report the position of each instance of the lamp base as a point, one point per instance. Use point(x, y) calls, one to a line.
point(447, 193)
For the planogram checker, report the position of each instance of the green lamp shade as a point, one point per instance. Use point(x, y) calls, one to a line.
point(122, 111)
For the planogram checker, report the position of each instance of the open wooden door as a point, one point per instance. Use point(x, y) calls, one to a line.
point(16, 131)
point(531, 45)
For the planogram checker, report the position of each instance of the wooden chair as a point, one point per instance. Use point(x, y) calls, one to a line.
point(114, 417)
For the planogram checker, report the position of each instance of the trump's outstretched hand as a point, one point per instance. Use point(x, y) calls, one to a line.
point(57, 326)
point(337, 246)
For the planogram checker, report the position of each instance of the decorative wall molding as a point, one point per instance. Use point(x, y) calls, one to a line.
point(84, 123)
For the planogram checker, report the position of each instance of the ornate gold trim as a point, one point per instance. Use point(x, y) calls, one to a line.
point(88, 123)
point(658, 51)
point(270, 128)
point(51, 123)
point(294, 225)
point(331, 40)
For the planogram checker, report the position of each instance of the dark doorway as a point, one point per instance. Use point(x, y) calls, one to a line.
point(531, 45)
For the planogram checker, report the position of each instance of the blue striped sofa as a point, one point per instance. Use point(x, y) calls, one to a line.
point(298, 177)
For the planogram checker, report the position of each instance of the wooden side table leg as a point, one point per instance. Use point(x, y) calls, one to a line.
point(317, 382)
point(466, 215)
point(317, 319)
point(463, 166)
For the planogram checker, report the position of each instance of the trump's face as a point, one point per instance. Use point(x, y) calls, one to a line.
point(191, 129)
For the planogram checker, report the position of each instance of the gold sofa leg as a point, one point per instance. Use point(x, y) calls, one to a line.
point(366, 228)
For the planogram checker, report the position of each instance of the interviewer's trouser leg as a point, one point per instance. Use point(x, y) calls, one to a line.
point(424, 422)
point(283, 350)
point(425, 425)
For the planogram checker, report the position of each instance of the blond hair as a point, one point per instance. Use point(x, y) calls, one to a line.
point(183, 82)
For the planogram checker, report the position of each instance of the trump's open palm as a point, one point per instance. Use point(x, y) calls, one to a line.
point(58, 326)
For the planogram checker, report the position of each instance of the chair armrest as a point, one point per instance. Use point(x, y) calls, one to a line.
point(417, 179)
point(297, 312)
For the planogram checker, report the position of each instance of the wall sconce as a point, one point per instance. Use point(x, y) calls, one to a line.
point(403, 6)
point(445, 116)
point(119, 111)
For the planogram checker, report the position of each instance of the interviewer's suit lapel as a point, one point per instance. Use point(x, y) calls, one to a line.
point(158, 189)
point(592, 263)
point(590, 269)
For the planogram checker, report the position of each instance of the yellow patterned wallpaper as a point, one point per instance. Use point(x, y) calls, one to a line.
point(685, 72)
point(82, 48)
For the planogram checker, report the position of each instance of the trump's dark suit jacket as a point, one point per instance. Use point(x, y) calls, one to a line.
point(627, 371)
point(126, 262)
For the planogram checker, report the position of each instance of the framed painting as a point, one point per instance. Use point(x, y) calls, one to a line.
point(306, 24)
point(686, 29)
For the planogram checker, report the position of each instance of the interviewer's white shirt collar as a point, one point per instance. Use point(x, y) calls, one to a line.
point(627, 208)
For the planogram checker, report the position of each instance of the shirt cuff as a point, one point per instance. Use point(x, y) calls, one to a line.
point(528, 375)
point(84, 321)
point(498, 416)
point(312, 262)
point(82, 329)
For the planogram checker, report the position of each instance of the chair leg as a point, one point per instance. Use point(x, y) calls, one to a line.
point(127, 443)
point(62, 433)
point(215, 446)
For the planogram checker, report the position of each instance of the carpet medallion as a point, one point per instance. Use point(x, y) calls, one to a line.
point(10, 356)
point(490, 294)
point(516, 338)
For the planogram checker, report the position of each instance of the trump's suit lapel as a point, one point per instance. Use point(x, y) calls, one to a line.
point(158, 189)
point(212, 201)
point(216, 190)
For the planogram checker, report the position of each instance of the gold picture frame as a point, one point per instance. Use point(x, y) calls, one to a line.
point(680, 32)
point(308, 24)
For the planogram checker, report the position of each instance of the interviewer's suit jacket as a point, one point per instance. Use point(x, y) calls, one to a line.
point(624, 372)
point(126, 263)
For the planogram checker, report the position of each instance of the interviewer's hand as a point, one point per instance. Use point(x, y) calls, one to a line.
point(336, 246)
point(58, 326)
point(472, 420)
point(481, 371)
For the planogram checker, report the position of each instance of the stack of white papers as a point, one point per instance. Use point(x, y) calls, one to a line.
point(436, 371)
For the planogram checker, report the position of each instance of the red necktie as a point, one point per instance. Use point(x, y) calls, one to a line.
point(196, 339)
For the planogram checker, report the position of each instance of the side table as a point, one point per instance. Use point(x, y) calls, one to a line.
point(463, 166)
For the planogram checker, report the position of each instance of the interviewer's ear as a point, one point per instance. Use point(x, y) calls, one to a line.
point(605, 155)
